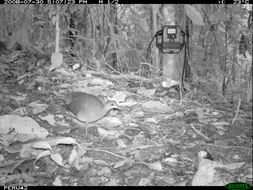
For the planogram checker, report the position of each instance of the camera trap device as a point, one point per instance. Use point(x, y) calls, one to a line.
point(170, 39)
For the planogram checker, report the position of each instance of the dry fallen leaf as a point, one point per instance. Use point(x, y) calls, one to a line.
point(121, 163)
point(73, 156)
point(42, 145)
point(110, 122)
point(155, 166)
point(18, 98)
point(42, 154)
point(13, 124)
point(68, 140)
point(49, 118)
point(57, 181)
point(108, 134)
point(37, 107)
point(57, 158)
point(119, 96)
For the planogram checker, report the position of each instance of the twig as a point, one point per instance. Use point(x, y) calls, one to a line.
point(237, 111)
point(201, 134)
point(108, 152)
point(225, 146)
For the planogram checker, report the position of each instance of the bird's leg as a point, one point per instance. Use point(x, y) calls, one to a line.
point(86, 128)
point(80, 123)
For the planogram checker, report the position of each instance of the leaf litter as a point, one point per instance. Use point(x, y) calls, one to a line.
point(154, 141)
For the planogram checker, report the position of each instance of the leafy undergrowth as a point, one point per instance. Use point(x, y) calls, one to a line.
point(154, 139)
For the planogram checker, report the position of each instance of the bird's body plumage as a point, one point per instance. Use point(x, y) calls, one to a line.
point(88, 108)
